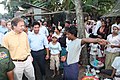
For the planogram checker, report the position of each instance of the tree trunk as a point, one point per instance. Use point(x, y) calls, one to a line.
point(81, 29)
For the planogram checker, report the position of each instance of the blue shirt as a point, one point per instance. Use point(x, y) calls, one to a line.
point(3, 30)
point(37, 41)
point(55, 48)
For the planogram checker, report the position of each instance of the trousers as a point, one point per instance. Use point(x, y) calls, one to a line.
point(25, 67)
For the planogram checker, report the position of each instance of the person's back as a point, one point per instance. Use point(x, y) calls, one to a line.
point(6, 64)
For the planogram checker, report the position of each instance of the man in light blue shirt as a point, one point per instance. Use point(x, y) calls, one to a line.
point(43, 29)
point(3, 28)
point(37, 43)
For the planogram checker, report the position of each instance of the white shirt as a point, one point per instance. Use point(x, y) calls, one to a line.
point(3, 30)
point(37, 41)
point(116, 65)
point(113, 41)
point(74, 49)
point(95, 49)
point(43, 30)
point(67, 41)
point(98, 24)
point(55, 48)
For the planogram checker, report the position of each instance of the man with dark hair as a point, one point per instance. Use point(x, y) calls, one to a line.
point(43, 29)
point(67, 25)
point(16, 41)
point(6, 65)
point(37, 43)
point(71, 68)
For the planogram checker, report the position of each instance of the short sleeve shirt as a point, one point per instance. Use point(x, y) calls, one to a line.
point(6, 63)
point(55, 49)
point(113, 41)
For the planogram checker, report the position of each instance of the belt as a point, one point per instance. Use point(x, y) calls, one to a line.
point(37, 50)
point(20, 60)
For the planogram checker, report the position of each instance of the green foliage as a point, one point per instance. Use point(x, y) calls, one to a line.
point(91, 6)
point(98, 7)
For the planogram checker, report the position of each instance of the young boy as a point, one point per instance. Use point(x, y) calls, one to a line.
point(6, 65)
point(71, 68)
point(55, 49)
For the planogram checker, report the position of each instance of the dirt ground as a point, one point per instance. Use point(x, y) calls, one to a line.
point(49, 73)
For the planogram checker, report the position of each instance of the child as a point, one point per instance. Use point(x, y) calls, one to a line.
point(55, 49)
point(94, 51)
point(71, 68)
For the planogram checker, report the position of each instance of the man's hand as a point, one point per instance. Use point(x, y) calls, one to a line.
point(112, 46)
point(102, 41)
point(47, 57)
point(31, 58)
point(63, 58)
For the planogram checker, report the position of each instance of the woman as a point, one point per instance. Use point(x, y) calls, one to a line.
point(102, 31)
point(113, 49)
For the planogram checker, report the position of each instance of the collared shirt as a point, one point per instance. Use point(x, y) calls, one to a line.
point(43, 30)
point(3, 30)
point(113, 41)
point(74, 49)
point(17, 44)
point(37, 41)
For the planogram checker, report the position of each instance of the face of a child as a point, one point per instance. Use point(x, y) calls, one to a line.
point(54, 39)
point(115, 30)
point(69, 35)
point(56, 30)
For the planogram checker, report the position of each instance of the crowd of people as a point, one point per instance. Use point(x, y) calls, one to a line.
point(26, 47)
point(110, 31)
